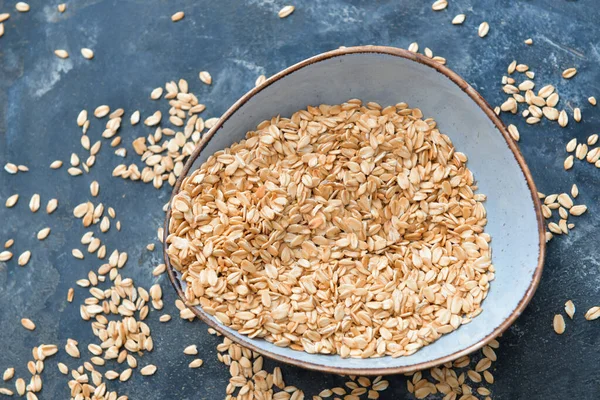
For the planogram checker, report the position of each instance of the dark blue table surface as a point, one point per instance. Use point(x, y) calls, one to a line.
point(138, 48)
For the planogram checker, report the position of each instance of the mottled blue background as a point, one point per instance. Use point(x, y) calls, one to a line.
point(137, 48)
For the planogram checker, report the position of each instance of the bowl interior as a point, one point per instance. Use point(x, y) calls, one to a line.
point(512, 222)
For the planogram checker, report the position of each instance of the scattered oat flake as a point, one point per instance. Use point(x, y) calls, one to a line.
point(483, 29)
point(439, 59)
point(87, 53)
point(569, 73)
point(564, 200)
point(511, 67)
point(578, 210)
point(60, 53)
point(24, 258)
point(20, 386)
point(164, 318)
point(574, 190)
point(186, 313)
point(51, 206)
point(8, 374)
point(286, 11)
point(178, 16)
point(43, 233)
point(74, 171)
point(135, 117)
point(205, 77)
point(34, 203)
point(94, 188)
point(514, 132)
point(209, 123)
point(593, 313)
point(81, 118)
point(5, 255)
point(156, 93)
point(158, 270)
point(459, 19)
point(22, 6)
point(154, 119)
point(62, 7)
point(260, 80)
point(77, 254)
point(11, 168)
point(12, 200)
point(56, 164)
point(570, 308)
point(72, 350)
point(101, 111)
point(439, 5)
point(27, 324)
point(563, 118)
point(148, 370)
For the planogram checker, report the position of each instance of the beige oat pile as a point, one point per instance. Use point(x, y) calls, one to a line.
point(349, 229)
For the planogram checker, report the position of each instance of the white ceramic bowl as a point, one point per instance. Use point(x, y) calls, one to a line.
point(388, 76)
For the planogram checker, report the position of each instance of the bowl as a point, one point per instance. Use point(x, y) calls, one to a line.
point(389, 75)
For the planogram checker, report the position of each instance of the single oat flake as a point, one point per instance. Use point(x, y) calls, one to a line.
point(569, 73)
point(260, 80)
point(28, 324)
point(87, 53)
point(22, 6)
point(439, 5)
point(593, 313)
point(61, 53)
point(205, 77)
point(570, 308)
point(286, 11)
point(459, 19)
point(483, 29)
point(178, 16)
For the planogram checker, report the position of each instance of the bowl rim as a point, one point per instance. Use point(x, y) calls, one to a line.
point(483, 105)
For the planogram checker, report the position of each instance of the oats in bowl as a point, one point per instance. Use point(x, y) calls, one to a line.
point(349, 229)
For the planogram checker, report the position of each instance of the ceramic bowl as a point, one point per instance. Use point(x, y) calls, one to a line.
point(388, 76)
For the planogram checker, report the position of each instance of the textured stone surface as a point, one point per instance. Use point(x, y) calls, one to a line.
point(137, 48)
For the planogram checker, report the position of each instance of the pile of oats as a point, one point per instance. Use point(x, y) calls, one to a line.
point(349, 229)
point(251, 380)
point(540, 105)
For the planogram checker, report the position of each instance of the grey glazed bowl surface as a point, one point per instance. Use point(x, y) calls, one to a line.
point(389, 76)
